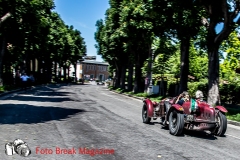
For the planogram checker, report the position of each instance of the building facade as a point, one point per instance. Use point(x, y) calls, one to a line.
point(91, 69)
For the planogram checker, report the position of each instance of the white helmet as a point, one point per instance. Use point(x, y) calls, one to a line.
point(199, 94)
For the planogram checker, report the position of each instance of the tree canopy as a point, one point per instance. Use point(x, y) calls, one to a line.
point(31, 31)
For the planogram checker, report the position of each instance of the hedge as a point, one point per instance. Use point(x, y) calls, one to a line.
point(229, 93)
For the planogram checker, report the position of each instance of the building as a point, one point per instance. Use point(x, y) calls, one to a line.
point(91, 69)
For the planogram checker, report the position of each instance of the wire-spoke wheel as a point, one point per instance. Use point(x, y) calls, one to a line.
point(176, 123)
point(222, 124)
point(145, 117)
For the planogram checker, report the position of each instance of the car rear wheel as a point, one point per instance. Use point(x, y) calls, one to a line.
point(176, 123)
point(145, 117)
point(222, 124)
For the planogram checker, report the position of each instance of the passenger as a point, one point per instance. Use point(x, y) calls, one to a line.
point(199, 96)
point(183, 97)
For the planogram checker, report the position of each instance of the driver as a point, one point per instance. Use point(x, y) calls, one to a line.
point(183, 97)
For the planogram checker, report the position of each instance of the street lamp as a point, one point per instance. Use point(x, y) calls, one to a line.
point(150, 88)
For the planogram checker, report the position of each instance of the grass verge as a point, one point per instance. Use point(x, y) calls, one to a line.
point(7, 88)
point(233, 114)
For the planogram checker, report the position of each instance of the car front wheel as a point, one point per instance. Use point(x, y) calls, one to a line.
point(176, 123)
point(145, 117)
point(222, 124)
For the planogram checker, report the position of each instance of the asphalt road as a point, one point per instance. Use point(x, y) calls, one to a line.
point(58, 117)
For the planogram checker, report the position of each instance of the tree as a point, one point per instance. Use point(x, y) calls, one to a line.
point(31, 31)
point(225, 12)
point(27, 19)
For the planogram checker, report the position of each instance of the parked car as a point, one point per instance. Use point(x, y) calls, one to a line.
point(100, 83)
point(177, 117)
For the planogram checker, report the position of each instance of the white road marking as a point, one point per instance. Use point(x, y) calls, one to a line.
point(123, 95)
point(120, 100)
point(232, 136)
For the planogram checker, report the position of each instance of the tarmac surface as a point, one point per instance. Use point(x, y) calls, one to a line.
point(73, 117)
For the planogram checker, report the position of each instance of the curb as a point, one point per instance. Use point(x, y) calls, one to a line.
point(128, 95)
point(235, 123)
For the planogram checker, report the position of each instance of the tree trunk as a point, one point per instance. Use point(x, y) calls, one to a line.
point(138, 75)
point(118, 75)
point(118, 78)
point(68, 73)
point(65, 72)
point(49, 70)
point(75, 70)
point(123, 76)
point(213, 75)
point(33, 65)
point(2, 50)
point(130, 77)
point(56, 71)
point(161, 87)
point(185, 43)
point(60, 73)
point(41, 71)
point(28, 65)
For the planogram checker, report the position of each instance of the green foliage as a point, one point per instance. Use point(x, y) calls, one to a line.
point(110, 87)
point(228, 92)
point(231, 47)
point(7, 88)
point(233, 113)
point(141, 95)
point(194, 86)
point(34, 31)
point(119, 90)
point(198, 63)
point(170, 65)
point(235, 117)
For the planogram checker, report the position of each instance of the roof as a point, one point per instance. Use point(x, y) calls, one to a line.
point(94, 62)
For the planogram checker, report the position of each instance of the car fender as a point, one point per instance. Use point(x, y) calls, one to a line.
point(176, 107)
point(221, 108)
point(149, 105)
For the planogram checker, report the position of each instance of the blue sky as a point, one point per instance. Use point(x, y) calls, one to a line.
point(83, 14)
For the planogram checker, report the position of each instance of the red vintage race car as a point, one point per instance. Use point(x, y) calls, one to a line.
point(192, 115)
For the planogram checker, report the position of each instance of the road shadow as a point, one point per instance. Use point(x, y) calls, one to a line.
point(28, 114)
point(153, 123)
point(52, 93)
point(39, 99)
point(44, 94)
point(199, 134)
